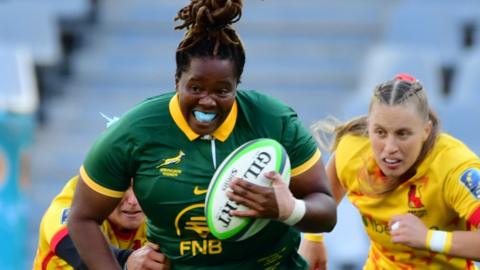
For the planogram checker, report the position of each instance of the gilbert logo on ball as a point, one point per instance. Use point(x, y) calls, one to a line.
point(249, 161)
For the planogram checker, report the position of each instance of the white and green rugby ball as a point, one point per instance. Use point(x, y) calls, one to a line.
point(249, 161)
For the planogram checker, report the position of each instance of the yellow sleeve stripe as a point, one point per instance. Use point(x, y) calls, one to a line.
point(307, 165)
point(315, 237)
point(98, 188)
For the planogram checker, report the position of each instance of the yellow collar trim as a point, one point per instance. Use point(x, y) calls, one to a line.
point(174, 107)
point(221, 133)
point(226, 128)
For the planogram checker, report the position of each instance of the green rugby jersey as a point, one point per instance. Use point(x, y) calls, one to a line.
point(172, 166)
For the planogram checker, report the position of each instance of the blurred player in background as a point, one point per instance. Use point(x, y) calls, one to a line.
point(417, 190)
point(124, 228)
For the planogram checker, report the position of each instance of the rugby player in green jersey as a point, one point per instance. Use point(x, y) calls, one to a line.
point(171, 145)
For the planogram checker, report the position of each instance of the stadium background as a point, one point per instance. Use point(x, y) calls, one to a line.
point(321, 57)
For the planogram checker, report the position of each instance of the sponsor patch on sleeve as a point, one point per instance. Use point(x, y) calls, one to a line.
point(471, 180)
point(65, 213)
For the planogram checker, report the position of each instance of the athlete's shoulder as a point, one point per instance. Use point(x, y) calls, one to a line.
point(260, 103)
point(55, 217)
point(163, 97)
point(450, 148)
point(352, 145)
point(351, 152)
point(447, 140)
point(67, 191)
point(153, 103)
point(447, 155)
point(153, 110)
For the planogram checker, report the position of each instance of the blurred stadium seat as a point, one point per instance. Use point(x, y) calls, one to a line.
point(382, 63)
point(443, 28)
point(71, 9)
point(18, 90)
point(459, 114)
point(465, 83)
point(431, 26)
point(36, 31)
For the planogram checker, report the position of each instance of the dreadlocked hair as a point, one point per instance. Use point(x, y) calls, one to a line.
point(209, 33)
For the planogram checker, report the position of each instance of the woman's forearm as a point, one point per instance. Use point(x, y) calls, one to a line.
point(466, 244)
point(91, 244)
point(88, 210)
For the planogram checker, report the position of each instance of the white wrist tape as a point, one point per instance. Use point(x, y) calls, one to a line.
point(297, 214)
point(439, 241)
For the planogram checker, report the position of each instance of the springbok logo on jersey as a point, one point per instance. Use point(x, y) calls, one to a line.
point(168, 161)
point(415, 201)
point(174, 160)
point(471, 180)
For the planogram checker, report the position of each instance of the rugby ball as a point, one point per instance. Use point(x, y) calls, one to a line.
point(249, 161)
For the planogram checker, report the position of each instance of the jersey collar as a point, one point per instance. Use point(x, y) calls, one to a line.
point(221, 133)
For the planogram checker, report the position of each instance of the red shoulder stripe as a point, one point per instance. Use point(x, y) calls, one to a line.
point(474, 219)
point(57, 238)
point(47, 259)
point(53, 245)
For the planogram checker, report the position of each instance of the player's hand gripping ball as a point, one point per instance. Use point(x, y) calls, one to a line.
point(249, 161)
